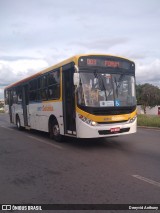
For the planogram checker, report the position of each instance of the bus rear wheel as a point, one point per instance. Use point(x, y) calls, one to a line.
point(18, 123)
point(55, 131)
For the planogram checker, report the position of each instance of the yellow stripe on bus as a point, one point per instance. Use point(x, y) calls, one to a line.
point(107, 118)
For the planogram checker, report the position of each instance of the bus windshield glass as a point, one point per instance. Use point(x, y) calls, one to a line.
point(106, 90)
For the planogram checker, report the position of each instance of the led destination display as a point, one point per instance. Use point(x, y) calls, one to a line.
point(109, 62)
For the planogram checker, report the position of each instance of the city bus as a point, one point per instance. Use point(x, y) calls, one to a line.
point(85, 96)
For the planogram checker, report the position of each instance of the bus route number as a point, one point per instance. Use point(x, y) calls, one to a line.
point(91, 61)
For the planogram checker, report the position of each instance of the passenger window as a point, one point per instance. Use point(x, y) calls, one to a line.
point(54, 84)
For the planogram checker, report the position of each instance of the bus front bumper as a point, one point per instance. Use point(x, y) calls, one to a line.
point(85, 130)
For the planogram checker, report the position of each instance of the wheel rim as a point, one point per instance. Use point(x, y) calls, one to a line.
point(18, 123)
point(56, 130)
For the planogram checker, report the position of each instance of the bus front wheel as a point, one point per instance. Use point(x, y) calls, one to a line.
point(55, 131)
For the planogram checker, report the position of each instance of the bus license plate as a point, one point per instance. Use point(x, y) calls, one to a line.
point(116, 129)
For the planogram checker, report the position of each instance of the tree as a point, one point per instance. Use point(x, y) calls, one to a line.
point(147, 95)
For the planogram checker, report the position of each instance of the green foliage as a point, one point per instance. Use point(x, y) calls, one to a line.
point(149, 120)
point(147, 95)
point(1, 105)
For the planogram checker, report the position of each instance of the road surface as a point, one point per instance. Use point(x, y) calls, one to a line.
point(119, 170)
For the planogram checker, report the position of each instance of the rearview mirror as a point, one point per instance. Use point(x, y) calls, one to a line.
point(76, 79)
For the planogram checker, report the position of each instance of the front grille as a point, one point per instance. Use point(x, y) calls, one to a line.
point(108, 132)
point(112, 111)
point(112, 122)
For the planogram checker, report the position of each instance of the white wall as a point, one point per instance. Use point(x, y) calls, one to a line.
point(149, 111)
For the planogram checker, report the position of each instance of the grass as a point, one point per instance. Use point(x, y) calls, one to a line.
point(149, 120)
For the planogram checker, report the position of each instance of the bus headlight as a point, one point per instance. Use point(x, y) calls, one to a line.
point(132, 119)
point(93, 123)
point(86, 120)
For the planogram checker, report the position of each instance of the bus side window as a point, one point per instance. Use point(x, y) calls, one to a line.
point(33, 95)
point(6, 97)
point(19, 94)
point(54, 84)
point(44, 89)
point(50, 93)
point(33, 90)
point(39, 89)
point(15, 99)
point(44, 81)
point(44, 94)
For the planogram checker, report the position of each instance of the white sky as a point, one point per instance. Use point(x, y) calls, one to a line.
point(36, 34)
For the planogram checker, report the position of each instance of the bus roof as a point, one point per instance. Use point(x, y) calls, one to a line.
point(58, 65)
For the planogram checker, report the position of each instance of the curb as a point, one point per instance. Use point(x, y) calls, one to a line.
point(147, 127)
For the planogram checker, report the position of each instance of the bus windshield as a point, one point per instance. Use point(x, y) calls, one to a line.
point(106, 90)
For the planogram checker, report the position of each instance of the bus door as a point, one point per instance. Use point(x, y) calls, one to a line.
point(69, 113)
point(10, 102)
point(25, 103)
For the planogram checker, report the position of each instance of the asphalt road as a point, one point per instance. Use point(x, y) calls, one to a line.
point(119, 170)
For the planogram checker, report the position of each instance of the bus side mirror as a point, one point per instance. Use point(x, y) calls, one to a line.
point(76, 79)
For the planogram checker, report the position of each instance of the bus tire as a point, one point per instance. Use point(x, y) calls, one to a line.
point(18, 123)
point(54, 131)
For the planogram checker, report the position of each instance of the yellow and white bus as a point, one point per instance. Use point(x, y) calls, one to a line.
point(85, 96)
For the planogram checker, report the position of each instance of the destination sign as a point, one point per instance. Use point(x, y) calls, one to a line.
point(109, 62)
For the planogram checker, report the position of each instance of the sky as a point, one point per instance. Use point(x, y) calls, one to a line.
point(36, 34)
